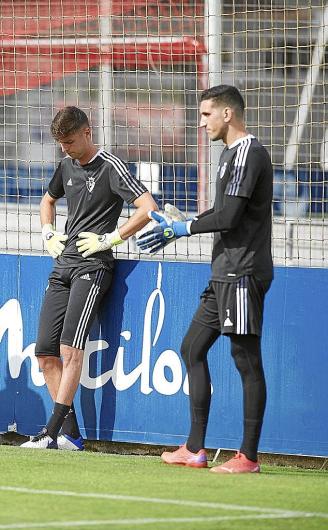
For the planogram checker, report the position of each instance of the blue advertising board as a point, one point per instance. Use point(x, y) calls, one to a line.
point(133, 385)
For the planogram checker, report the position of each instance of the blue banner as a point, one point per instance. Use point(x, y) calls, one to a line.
point(133, 385)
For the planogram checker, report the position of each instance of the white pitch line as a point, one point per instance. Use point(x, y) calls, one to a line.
point(155, 500)
point(138, 522)
point(151, 500)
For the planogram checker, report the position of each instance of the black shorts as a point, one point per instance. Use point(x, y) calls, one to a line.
point(70, 305)
point(233, 307)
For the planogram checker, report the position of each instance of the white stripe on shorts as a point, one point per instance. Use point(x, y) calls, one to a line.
point(241, 304)
point(86, 312)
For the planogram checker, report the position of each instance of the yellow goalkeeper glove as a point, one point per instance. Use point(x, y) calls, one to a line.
point(53, 240)
point(91, 243)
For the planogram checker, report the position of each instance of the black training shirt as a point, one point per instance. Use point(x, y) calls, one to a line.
point(95, 193)
point(241, 217)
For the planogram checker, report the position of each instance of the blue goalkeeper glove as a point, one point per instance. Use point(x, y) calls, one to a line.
point(162, 234)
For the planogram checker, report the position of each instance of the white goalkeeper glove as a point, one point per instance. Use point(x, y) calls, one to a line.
point(90, 243)
point(173, 213)
point(53, 240)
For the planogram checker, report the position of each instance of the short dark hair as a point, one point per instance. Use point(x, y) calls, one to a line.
point(226, 95)
point(67, 121)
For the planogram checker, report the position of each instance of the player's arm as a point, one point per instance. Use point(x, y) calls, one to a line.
point(222, 221)
point(144, 204)
point(205, 214)
point(236, 197)
point(53, 240)
point(89, 243)
point(47, 209)
point(210, 221)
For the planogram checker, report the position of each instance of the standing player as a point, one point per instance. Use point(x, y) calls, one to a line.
point(242, 271)
point(95, 184)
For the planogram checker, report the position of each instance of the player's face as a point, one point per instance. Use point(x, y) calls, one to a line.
point(77, 144)
point(215, 119)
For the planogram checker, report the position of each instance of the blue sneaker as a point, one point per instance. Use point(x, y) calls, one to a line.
point(41, 441)
point(67, 443)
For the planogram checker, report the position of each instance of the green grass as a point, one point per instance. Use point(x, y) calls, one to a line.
point(147, 490)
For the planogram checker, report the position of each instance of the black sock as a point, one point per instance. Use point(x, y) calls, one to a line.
point(70, 425)
point(56, 420)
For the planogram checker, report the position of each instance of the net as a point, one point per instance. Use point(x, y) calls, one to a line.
point(136, 68)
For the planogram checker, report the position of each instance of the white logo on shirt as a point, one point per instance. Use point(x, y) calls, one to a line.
point(70, 183)
point(223, 169)
point(85, 276)
point(90, 183)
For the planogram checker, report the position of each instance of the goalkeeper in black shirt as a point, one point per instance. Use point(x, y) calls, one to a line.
point(242, 272)
point(95, 184)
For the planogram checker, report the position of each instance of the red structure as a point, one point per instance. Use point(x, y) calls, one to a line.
point(43, 40)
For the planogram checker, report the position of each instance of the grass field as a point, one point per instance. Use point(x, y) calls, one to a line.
point(57, 489)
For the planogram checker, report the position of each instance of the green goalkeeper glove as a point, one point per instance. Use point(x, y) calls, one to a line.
point(91, 243)
point(53, 241)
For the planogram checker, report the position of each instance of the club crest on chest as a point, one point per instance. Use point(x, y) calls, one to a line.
point(222, 170)
point(90, 183)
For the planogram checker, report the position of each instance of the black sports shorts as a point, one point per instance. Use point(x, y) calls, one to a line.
point(235, 307)
point(69, 307)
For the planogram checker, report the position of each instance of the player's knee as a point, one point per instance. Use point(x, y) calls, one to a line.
point(46, 362)
point(247, 358)
point(188, 353)
point(241, 364)
point(70, 356)
point(185, 349)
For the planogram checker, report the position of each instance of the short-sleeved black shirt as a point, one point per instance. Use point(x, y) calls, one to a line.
point(95, 194)
point(245, 170)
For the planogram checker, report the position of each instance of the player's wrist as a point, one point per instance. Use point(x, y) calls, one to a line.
point(181, 228)
point(114, 238)
point(188, 226)
point(47, 229)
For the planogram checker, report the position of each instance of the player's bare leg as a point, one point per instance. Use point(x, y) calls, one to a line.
point(68, 377)
point(52, 368)
point(72, 366)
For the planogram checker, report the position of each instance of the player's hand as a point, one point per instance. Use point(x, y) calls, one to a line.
point(53, 240)
point(90, 243)
point(174, 214)
point(165, 232)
